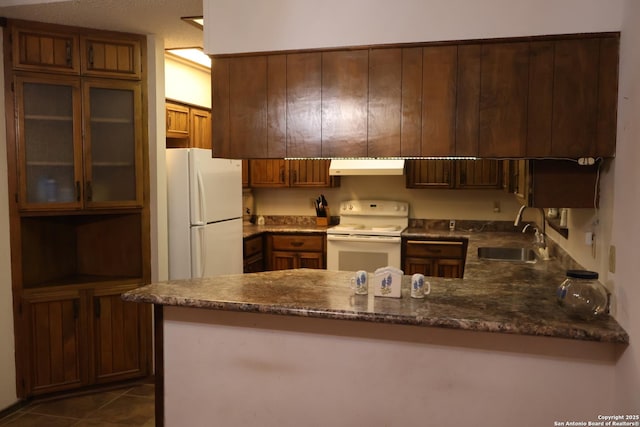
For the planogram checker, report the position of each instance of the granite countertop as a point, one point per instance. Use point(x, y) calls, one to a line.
point(250, 229)
point(494, 296)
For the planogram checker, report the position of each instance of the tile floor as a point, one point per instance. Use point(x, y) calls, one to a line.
point(132, 406)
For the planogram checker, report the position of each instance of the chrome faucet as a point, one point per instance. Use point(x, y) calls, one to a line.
point(540, 235)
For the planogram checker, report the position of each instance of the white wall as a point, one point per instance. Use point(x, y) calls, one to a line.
point(250, 26)
point(7, 357)
point(187, 83)
point(157, 162)
point(253, 369)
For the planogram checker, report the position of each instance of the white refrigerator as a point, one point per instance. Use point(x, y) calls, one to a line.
point(205, 214)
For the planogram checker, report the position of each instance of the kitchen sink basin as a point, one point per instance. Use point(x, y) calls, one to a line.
point(507, 254)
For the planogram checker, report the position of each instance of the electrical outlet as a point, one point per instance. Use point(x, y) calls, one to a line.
point(452, 225)
point(496, 206)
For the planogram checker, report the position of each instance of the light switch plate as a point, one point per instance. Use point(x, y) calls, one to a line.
point(612, 259)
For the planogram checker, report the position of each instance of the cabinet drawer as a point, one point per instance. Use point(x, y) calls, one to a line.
point(435, 248)
point(252, 246)
point(297, 243)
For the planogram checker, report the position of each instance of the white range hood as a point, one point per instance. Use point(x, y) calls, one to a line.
point(342, 167)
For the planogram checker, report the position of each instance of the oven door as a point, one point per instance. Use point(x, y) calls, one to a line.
point(353, 253)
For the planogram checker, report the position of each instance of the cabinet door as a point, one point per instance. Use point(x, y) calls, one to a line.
point(480, 173)
point(430, 174)
point(49, 142)
point(450, 268)
point(310, 260)
point(113, 144)
point(245, 174)
point(468, 100)
point(385, 102)
point(177, 120)
point(503, 100)
point(56, 342)
point(344, 124)
point(41, 49)
point(111, 57)
point(575, 97)
point(121, 338)
point(268, 173)
point(247, 109)
point(304, 97)
point(280, 260)
point(200, 132)
point(439, 80)
point(425, 266)
point(540, 103)
point(309, 173)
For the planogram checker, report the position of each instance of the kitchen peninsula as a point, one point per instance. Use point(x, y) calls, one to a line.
point(296, 346)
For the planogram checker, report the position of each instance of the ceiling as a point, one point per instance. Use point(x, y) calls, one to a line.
point(150, 17)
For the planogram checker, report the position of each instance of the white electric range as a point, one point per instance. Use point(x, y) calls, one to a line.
point(368, 236)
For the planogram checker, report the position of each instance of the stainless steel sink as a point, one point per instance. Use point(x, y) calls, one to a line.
point(507, 254)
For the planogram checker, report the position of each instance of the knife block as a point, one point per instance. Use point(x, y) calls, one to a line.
point(323, 220)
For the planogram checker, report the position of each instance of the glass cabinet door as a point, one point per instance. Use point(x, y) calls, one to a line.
point(49, 135)
point(113, 143)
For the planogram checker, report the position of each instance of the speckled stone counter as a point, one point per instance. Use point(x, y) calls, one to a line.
point(249, 229)
point(513, 298)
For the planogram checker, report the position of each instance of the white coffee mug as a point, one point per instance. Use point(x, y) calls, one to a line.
point(360, 282)
point(418, 286)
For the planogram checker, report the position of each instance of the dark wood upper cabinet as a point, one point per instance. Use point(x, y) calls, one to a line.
point(277, 105)
point(304, 104)
point(248, 106)
point(450, 174)
point(439, 81)
point(385, 102)
point(411, 125)
point(607, 97)
point(344, 103)
point(575, 97)
point(220, 132)
point(551, 96)
point(468, 99)
point(540, 98)
point(503, 100)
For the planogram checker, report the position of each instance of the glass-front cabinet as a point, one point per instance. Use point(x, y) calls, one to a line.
point(79, 145)
point(112, 149)
point(49, 142)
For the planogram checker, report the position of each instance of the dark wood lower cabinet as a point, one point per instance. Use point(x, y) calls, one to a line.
point(77, 338)
point(56, 338)
point(438, 258)
point(297, 250)
point(287, 260)
point(253, 259)
point(120, 333)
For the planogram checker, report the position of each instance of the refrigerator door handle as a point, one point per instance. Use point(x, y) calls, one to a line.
point(199, 254)
point(201, 200)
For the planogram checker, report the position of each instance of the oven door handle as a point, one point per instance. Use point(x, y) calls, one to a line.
point(360, 239)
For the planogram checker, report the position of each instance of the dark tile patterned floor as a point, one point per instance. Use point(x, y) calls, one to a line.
point(133, 406)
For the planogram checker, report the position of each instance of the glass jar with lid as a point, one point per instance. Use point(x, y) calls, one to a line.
point(582, 295)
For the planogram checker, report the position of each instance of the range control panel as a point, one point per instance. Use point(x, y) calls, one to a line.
point(374, 208)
